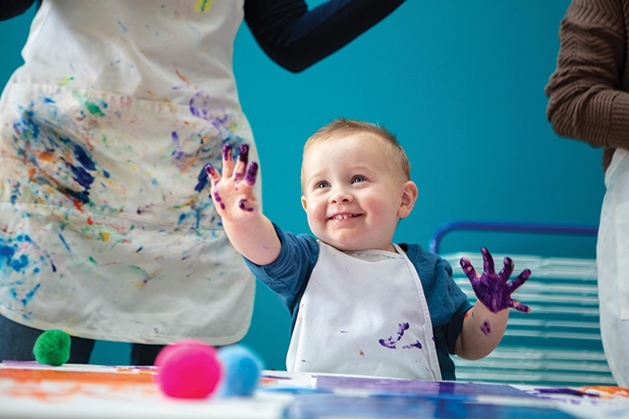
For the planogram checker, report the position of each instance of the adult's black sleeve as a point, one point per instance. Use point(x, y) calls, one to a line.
point(12, 8)
point(295, 37)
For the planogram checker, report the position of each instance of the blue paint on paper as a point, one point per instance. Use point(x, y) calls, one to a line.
point(391, 398)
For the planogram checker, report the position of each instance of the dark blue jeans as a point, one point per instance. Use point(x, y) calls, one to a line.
point(17, 341)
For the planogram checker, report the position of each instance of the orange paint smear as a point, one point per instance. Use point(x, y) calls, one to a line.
point(46, 156)
point(184, 79)
point(609, 391)
point(189, 163)
point(119, 377)
point(35, 392)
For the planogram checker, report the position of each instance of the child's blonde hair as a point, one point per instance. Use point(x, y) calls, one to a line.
point(342, 126)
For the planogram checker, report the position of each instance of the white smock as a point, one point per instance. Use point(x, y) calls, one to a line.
point(613, 267)
point(364, 313)
point(107, 227)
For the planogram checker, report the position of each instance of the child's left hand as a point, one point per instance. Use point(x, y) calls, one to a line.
point(492, 289)
point(232, 193)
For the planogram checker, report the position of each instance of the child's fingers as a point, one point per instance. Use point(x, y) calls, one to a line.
point(252, 174)
point(520, 307)
point(469, 270)
point(241, 165)
point(506, 272)
point(521, 279)
point(488, 261)
point(228, 161)
point(212, 173)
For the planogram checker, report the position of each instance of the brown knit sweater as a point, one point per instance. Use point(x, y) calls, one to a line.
point(589, 91)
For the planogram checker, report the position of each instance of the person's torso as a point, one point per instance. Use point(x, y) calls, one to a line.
point(104, 135)
point(146, 49)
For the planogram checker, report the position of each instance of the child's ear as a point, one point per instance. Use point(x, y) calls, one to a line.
point(304, 203)
point(408, 198)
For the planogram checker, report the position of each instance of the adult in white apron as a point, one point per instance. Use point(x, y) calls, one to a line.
point(377, 307)
point(108, 231)
point(612, 259)
point(589, 101)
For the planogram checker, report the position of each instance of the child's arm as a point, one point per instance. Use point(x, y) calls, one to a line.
point(250, 232)
point(485, 323)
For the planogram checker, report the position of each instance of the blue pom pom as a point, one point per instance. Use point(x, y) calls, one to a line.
point(242, 370)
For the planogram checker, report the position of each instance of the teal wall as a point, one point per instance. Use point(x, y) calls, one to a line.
point(461, 84)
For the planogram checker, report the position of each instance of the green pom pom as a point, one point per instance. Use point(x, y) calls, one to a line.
point(52, 347)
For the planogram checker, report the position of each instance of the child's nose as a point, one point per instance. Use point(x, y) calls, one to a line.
point(341, 196)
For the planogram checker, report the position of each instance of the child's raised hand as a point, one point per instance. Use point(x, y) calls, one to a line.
point(232, 192)
point(492, 289)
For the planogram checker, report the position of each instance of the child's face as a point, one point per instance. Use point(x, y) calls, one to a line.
point(353, 194)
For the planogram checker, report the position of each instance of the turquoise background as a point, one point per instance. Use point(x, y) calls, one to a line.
point(462, 86)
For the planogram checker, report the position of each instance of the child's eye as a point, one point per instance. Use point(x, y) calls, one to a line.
point(358, 178)
point(321, 185)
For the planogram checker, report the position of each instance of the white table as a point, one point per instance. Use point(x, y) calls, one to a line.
point(29, 390)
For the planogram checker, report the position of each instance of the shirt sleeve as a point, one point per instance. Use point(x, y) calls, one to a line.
point(447, 303)
point(288, 275)
point(585, 100)
point(13, 8)
point(453, 304)
point(295, 37)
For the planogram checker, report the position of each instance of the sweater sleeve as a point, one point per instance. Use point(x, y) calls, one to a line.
point(295, 37)
point(13, 8)
point(586, 100)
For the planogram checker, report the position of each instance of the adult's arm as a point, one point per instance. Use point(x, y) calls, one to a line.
point(12, 8)
point(295, 37)
point(587, 100)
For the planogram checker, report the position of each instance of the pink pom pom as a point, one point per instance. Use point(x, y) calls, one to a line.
point(188, 369)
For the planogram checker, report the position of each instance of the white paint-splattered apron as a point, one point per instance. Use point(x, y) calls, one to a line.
point(364, 313)
point(107, 229)
point(612, 261)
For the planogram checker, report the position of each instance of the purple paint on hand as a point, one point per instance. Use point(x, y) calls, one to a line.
point(485, 327)
point(218, 199)
point(243, 153)
point(243, 205)
point(243, 156)
point(210, 170)
point(252, 173)
point(492, 289)
point(227, 152)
